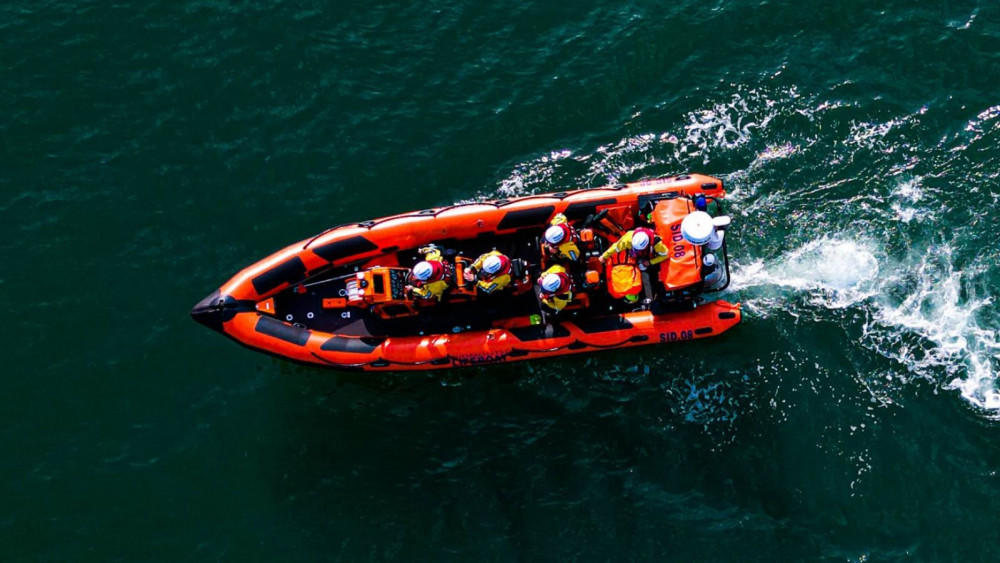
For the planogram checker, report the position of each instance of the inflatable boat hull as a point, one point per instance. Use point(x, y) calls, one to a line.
point(276, 306)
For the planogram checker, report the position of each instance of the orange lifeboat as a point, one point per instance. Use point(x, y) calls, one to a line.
point(345, 299)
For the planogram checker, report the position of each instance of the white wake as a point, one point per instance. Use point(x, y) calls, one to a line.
point(923, 312)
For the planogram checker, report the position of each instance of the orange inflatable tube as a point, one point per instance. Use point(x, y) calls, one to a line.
point(339, 299)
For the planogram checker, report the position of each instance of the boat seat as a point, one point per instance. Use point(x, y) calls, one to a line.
point(581, 300)
point(517, 268)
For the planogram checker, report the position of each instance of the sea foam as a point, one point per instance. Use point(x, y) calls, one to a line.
point(922, 312)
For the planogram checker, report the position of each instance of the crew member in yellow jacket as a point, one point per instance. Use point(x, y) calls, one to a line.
point(642, 245)
point(430, 278)
point(555, 288)
point(493, 271)
point(560, 240)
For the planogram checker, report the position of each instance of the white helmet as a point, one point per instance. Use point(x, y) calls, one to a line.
point(551, 283)
point(640, 240)
point(554, 234)
point(423, 271)
point(492, 265)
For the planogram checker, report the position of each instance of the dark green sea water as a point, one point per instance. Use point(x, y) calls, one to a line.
point(149, 150)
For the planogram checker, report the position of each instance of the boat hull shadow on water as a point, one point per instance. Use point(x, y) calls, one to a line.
point(344, 298)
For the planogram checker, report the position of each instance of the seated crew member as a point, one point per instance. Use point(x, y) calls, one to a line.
point(555, 288)
point(429, 279)
point(642, 245)
point(560, 240)
point(493, 271)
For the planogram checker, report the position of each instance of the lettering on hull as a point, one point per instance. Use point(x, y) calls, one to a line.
point(479, 359)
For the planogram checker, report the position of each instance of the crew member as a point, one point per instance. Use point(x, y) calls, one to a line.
point(555, 288)
point(493, 271)
point(642, 245)
point(429, 279)
point(560, 240)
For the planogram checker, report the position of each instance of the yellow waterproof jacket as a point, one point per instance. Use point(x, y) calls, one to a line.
point(558, 301)
point(433, 290)
point(493, 284)
point(567, 249)
point(624, 244)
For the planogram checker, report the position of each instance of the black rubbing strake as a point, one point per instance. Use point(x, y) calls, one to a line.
point(290, 271)
point(580, 210)
point(538, 332)
point(333, 251)
point(522, 218)
point(282, 331)
point(606, 324)
point(364, 345)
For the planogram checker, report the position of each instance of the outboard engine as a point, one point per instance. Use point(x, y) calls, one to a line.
point(696, 245)
point(701, 229)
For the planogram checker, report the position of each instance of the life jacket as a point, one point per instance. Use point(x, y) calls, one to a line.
point(438, 272)
point(647, 252)
point(624, 277)
point(623, 257)
point(504, 269)
point(623, 280)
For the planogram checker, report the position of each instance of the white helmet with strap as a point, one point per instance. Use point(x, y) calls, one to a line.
point(551, 283)
point(554, 234)
point(492, 265)
point(554, 283)
point(640, 240)
point(423, 271)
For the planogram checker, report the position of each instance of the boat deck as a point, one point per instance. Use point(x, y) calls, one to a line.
point(451, 315)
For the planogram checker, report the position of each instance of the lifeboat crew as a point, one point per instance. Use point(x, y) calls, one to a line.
point(493, 271)
point(429, 279)
point(642, 245)
point(560, 240)
point(555, 288)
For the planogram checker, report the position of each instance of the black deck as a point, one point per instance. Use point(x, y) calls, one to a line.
point(451, 315)
point(462, 314)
